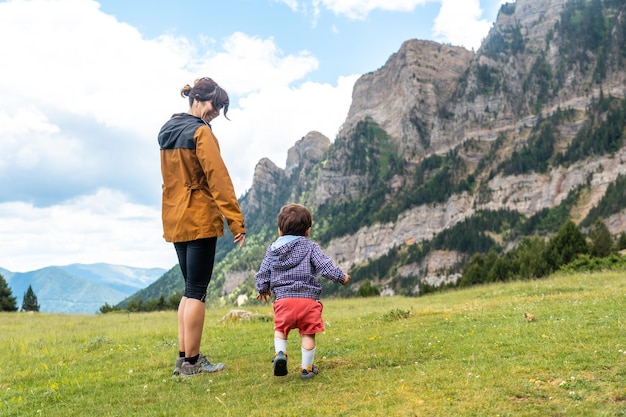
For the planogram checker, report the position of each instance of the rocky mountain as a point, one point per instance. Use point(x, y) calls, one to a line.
point(485, 109)
point(80, 288)
point(447, 152)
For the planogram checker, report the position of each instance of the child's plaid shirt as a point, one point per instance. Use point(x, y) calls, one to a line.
point(291, 270)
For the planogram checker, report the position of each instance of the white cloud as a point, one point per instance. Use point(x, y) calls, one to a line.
point(69, 56)
point(459, 23)
point(359, 9)
point(292, 4)
point(247, 64)
point(19, 123)
point(102, 227)
point(82, 98)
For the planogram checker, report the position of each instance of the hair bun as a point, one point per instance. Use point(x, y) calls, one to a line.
point(184, 92)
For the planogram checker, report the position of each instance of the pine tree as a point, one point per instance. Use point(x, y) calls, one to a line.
point(7, 301)
point(564, 247)
point(601, 240)
point(621, 241)
point(29, 303)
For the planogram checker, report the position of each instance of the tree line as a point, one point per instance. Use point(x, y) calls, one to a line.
point(159, 304)
point(9, 303)
point(534, 257)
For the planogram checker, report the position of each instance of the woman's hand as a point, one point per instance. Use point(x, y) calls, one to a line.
point(240, 238)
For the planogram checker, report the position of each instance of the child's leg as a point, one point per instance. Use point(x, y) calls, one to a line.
point(280, 359)
point(280, 341)
point(308, 351)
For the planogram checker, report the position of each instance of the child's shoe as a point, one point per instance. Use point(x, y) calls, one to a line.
point(280, 364)
point(309, 373)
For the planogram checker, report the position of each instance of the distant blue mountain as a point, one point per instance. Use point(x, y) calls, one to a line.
point(80, 288)
point(6, 273)
point(122, 278)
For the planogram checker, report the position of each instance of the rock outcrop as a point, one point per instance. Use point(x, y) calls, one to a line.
point(484, 107)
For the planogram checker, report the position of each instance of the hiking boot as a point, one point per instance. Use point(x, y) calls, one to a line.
point(280, 364)
point(179, 363)
point(309, 373)
point(203, 366)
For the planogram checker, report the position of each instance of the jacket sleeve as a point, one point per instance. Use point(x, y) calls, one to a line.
point(324, 266)
point(218, 178)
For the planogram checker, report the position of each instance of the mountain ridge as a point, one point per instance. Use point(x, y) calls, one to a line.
point(80, 288)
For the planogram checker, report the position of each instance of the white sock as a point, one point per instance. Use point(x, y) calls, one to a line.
point(280, 345)
point(308, 356)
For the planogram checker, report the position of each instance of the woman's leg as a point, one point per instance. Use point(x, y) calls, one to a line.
point(196, 262)
point(181, 324)
point(181, 253)
point(193, 322)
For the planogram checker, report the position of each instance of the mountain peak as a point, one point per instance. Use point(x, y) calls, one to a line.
point(404, 97)
point(306, 152)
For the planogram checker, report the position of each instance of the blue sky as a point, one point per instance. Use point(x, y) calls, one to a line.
point(86, 85)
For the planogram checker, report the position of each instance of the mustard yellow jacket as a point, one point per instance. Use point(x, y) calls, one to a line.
point(198, 193)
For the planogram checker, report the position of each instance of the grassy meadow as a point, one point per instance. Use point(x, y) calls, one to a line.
point(460, 353)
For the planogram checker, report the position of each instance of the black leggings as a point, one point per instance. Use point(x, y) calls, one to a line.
point(196, 260)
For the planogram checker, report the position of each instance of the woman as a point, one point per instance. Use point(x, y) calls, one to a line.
point(198, 195)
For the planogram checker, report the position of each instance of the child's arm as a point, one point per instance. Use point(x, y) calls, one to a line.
point(325, 267)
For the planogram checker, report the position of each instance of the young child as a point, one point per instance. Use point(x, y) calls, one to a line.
point(289, 270)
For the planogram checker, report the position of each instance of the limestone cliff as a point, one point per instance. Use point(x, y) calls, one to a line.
point(438, 112)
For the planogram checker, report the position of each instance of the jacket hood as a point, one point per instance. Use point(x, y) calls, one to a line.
point(285, 257)
point(178, 132)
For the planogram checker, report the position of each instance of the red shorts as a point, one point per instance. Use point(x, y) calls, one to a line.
point(304, 314)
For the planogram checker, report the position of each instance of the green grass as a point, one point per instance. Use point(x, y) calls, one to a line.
point(460, 353)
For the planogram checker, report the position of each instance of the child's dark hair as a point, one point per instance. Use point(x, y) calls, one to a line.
point(294, 219)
